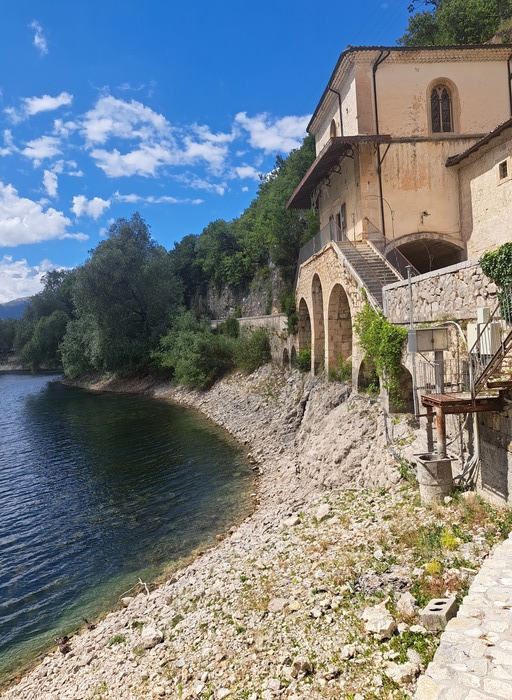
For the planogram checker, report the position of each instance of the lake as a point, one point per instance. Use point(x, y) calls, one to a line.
point(97, 491)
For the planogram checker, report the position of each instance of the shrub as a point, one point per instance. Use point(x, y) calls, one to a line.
point(252, 350)
point(230, 327)
point(304, 359)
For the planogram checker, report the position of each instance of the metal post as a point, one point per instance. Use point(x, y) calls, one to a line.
point(441, 432)
point(430, 432)
point(439, 371)
point(413, 355)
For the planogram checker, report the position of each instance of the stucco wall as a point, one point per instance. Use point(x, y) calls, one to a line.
point(485, 199)
point(480, 94)
point(454, 292)
point(495, 473)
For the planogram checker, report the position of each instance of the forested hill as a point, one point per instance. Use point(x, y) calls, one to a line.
point(133, 303)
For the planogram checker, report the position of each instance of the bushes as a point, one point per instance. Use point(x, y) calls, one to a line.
point(198, 356)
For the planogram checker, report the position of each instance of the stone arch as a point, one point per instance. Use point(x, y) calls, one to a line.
point(293, 356)
point(367, 377)
point(286, 358)
point(428, 251)
point(339, 326)
point(303, 326)
point(318, 349)
point(406, 401)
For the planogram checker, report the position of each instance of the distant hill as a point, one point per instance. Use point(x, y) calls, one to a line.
point(14, 308)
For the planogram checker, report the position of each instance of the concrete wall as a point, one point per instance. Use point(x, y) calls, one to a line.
point(276, 325)
point(485, 198)
point(450, 293)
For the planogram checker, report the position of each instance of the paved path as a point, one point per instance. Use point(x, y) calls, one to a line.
point(474, 659)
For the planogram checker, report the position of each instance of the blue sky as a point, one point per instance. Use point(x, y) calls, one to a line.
point(168, 108)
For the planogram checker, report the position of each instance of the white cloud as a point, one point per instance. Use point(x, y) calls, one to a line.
point(34, 105)
point(198, 183)
point(206, 135)
point(42, 148)
point(19, 279)
point(24, 221)
point(144, 161)
point(163, 199)
point(114, 118)
point(9, 146)
point(245, 189)
point(213, 154)
point(50, 182)
point(39, 38)
point(245, 172)
point(271, 135)
point(89, 207)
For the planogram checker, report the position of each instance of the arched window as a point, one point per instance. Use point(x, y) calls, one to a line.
point(441, 112)
point(333, 129)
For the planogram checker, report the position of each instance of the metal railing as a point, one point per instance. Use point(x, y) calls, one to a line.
point(492, 343)
point(394, 256)
point(328, 233)
point(455, 373)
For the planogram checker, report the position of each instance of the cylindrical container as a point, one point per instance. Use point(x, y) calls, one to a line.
point(434, 477)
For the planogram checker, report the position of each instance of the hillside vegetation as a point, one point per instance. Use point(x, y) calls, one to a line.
point(133, 306)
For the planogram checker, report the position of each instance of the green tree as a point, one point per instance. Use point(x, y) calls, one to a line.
point(42, 350)
point(454, 22)
point(7, 335)
point(129, 292)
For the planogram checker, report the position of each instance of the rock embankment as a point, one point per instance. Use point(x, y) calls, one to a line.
point(314, 596)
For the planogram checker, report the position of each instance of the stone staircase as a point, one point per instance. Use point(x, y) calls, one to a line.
point(372, 268)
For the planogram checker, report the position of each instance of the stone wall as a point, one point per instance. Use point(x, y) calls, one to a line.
point(495, 474)
point(453, 292)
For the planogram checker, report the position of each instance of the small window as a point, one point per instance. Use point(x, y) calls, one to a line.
point(503, 170)
point(441, 110)
point(333, 129)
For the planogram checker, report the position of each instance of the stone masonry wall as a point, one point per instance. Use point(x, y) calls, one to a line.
point(454, 292)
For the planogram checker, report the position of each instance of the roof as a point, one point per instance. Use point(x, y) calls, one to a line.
point(336, 148)
point(503, 51)
point(455, 160)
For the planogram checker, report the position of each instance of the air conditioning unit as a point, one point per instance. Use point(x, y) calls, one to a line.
point(489, 341)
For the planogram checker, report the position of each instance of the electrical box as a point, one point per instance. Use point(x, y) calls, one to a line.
point(489, 341)
point(428, 339)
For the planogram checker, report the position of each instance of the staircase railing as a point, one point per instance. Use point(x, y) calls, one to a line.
point(493, 341)
point(394, 256)
point(328, 233)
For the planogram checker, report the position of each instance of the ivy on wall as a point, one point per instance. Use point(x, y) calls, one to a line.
point(383, 344)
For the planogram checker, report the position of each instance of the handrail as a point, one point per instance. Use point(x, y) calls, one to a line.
point(400, 262)
point(479, 360)
point(363, 260)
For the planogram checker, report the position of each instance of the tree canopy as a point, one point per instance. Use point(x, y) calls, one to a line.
point(454, 22)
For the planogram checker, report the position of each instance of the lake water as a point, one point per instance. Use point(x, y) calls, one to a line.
point(97, 491)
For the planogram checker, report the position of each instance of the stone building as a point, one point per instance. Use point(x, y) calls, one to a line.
point(413, 173)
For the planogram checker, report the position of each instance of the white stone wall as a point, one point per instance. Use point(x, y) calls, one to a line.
point(453, 292)
point(485, 198)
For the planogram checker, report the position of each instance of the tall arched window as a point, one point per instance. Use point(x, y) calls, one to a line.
point(441, 112)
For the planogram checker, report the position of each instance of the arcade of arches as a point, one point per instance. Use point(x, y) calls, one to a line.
point(328, 298)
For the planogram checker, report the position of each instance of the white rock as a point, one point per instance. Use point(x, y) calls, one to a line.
point(402, 674)
point(323, 512)
point(379, 622)
point(150, 637)
point(406, 604)
point(222, 693)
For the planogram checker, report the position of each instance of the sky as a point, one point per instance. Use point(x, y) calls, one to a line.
point(171, 109)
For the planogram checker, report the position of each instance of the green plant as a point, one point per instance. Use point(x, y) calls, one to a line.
point(383, 343)
point(497, 265)
point(116, 639)
point(252, 350)
point(230, 327)
point(342, 371)
point(304, 359)
point(137, 625)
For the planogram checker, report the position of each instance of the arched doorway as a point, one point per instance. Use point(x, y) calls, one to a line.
point(339, 327)
point(405, 401)
point(318, 350)
point(286, 358)
point(293, 357)
point(367, 378)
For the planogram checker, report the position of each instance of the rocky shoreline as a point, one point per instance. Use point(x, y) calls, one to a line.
point(313, 596)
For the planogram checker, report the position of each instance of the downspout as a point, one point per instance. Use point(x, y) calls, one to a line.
point(510, 83)
point(339, 101)
point(382, 57)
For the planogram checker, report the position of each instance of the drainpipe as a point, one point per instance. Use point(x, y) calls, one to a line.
point(339, 102)
point(510, 83)
point(382, 57)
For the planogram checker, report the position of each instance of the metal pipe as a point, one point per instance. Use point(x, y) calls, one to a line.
point(413, 354)
point(441, 432)
point(339, 101)
point(382, 57)
point(510, 83)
